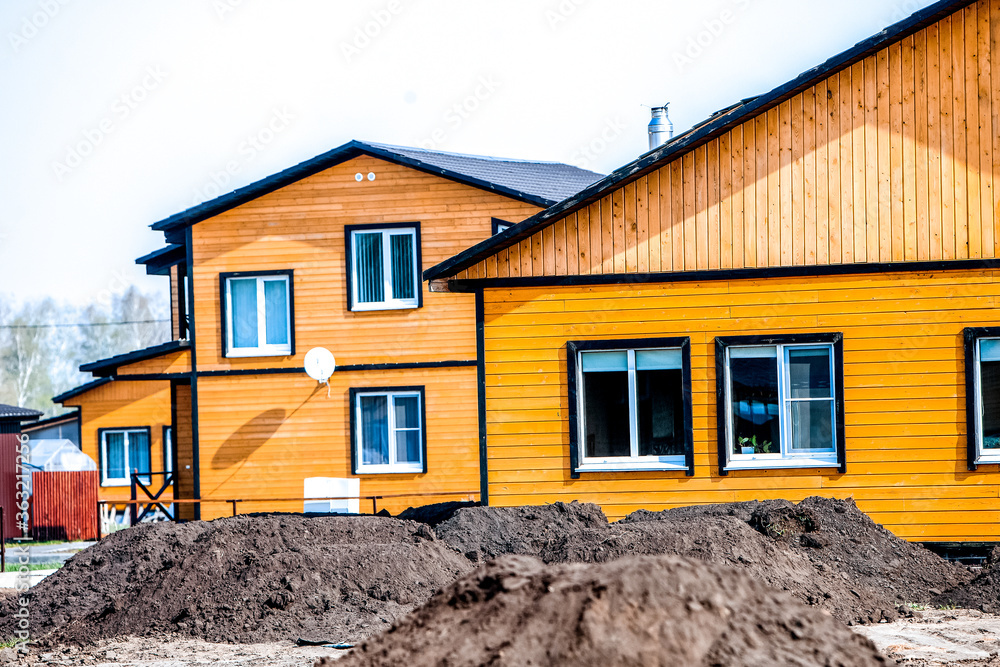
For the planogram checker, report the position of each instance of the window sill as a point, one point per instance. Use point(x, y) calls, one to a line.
point(258, 352)
point(387, 470)
point(367, 308)
point(755, 463)
point(992, 459)
point(661, 465)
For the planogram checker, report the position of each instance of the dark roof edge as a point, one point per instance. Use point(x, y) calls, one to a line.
point(51, 421)
point(159, 261)
point(317, 164)
point(83, 388)
point(698, 135)
point(107, 367)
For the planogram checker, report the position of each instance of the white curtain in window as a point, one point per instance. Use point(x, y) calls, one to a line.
point(374, 430)
point(368, 261)
point(401, 246)
point(244, 311)
point(276, 312)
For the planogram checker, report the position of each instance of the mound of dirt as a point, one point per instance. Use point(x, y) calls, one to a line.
point(251, 578)
point(634, 611)
point(981, 593)
point(434, 514)
point(488, 532)
point(825, 552)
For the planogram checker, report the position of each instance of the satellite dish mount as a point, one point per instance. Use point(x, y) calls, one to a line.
point(320, 365)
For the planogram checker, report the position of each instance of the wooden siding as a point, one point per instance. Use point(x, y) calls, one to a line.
point(182, 445)
point(301, 227)
point(175, 362)
point(894, 159)
point(262, 435)
point(123, 404)
point(904, 392)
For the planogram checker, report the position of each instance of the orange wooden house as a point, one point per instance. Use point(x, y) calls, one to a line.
point(799, 296)
point(325, 254)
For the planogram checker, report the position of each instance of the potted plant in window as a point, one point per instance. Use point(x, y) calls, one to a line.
point(751, 446)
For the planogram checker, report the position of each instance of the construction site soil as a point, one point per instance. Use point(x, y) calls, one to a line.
point(647, 610)
point(270, 577)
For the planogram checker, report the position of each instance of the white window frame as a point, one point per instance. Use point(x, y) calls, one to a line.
point(388, 303)
point(262, 349)
point(127, 480)
point(982, 457)
point(393, 467)
point(168, 449)
point(633, 462)
point(785, 457)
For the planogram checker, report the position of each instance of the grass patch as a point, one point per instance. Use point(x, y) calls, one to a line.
point(11, 643)
point(15, 567)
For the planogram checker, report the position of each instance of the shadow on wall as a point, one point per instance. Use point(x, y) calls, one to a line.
point(248, 438)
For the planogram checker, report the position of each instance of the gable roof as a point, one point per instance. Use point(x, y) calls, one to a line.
point(714, 126)
point(107, 367)
point(534, 182)
point(14, 413)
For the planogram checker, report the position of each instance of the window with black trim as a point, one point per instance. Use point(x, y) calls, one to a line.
point(123, 451)
point(258, 313)
point(384, 266)
point(982, 349)
point(781, 404)
point(500, 225)
point(387, 430)
point(630, 405)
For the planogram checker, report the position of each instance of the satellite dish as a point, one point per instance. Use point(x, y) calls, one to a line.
point(320, 364)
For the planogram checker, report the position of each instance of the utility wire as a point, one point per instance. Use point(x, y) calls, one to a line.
point(78, 324)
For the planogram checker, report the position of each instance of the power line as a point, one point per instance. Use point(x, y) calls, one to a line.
point(78, 324)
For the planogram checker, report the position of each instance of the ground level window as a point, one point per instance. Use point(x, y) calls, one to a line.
point(780, 406)
point(388, 430)
point(983, 395)
point(122, 452)
point(630, 405)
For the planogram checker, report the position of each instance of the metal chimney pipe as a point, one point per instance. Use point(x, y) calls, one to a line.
point(661, 130)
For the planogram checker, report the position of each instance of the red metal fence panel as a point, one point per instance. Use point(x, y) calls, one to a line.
point(64, 505)
point(9, 445)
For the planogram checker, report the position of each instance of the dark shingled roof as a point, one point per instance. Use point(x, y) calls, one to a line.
point(14, 413)
point(553, 181)
point(538, 183)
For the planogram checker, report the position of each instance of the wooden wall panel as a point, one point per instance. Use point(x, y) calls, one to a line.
point(175, 362)
point(301, 227)
point(122, 404)
point(261, 436)
point(892, 159)
point(904, 392)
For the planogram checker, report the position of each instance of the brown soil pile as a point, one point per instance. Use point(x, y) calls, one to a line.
point(825, 552)
point(251, 578)
point(981, 593)
point(635, 611)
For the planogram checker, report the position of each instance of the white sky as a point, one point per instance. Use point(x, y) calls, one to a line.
point(117, 113)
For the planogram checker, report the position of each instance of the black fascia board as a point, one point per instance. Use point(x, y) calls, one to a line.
point(702, 133)
point(170, 226)
point(158, 262)
point(107, 367)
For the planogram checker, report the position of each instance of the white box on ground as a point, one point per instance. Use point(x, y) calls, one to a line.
point(344, 491)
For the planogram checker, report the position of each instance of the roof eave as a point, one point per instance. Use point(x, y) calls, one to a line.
point(108, 367)
point(313, 166)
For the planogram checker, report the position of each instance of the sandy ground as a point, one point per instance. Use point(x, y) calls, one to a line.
point(962, 637)
point(174, 652)
point(939, 637)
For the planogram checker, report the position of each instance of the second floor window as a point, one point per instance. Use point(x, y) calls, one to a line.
point(258, 314)
point(384, 272)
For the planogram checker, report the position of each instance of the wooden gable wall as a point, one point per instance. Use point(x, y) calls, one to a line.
point(893, 159)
